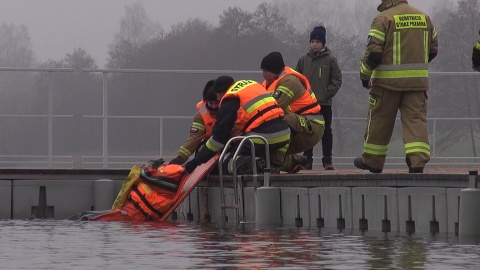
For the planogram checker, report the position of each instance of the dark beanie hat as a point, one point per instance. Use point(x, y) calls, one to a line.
point(208, 94)
point(273, 62)
point(222, 84)
point(319, 33)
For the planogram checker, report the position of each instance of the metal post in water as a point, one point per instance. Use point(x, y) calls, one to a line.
point(469, 216)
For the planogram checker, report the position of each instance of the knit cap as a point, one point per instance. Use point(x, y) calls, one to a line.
point(319, 33)
point(222, 84)
point(273, 62)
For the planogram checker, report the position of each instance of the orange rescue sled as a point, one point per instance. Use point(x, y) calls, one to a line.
point(189, 182)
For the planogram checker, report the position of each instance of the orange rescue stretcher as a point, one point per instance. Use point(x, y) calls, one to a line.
point(141, 198)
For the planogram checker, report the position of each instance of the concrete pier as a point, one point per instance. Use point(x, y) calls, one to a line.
point(393, 201)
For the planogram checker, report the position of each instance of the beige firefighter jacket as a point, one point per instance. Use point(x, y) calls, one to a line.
point(406, 41)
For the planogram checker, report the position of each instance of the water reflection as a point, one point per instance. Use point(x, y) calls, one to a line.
point(55, 244)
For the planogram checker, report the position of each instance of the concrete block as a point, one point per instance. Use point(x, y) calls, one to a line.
point(375, 208)
point(57, 199)
point(422, 209)
point(453, 208)
point(5, 199)
point(295, 207)
point(331, 207)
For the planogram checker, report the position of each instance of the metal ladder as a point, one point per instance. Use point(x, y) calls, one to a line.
point(238, 200)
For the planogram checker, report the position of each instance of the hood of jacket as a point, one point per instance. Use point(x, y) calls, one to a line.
point(320, 53)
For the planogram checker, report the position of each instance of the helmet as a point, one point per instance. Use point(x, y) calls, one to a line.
point(386, 4)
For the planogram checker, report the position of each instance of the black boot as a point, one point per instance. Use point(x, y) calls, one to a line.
point(413, 169)
point(358, 162)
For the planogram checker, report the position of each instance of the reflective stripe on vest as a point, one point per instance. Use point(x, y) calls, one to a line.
point(256, 104)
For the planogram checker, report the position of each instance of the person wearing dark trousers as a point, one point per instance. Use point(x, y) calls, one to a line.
point(323, 72)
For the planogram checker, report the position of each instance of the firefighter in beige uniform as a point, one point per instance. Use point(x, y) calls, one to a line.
point(401, 42)
point(294, 95)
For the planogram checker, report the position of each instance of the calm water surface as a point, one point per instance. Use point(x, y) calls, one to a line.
point(58, 244)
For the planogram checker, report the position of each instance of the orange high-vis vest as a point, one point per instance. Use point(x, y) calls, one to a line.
point(155, 192)
point(256, 104)
point(304, 105)
point(207, 118)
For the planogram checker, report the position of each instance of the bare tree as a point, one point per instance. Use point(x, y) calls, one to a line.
point(136, 29)
point(236, 22)
point(15, 46)
point(15, 51)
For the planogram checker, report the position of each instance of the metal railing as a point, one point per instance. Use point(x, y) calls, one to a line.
point(107, 161)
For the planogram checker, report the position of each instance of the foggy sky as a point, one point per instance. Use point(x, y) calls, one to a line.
point(56, 27)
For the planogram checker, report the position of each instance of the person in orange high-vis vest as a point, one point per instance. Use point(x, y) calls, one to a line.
point(150, 196)
point(247, 106)
point(203, 122)
point(302, 110)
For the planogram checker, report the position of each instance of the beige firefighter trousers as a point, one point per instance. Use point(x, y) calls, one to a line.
point(384, 105)
point(305, 135)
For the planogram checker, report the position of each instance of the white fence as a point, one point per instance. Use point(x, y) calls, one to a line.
point(164, 142)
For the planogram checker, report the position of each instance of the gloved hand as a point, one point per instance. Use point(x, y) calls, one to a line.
point(367, 84)
point(191, 165)
point(178, 160)
point(155, 163)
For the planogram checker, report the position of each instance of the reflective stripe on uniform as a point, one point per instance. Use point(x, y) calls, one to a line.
point(417, 147)
point(426, 46)
point(402, 67)
point(184, 151)
point(286, 91)
point(214, 145)
point(272, 138)
point(365, 70)
point(377, 34)
point(375, 149)
point(315, 118)
point(397, 48)
point(198, 126)
point(397, 74)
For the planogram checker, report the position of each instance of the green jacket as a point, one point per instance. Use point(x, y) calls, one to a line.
point(323, 73)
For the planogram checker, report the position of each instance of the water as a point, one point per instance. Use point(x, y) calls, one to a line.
point(58, 244)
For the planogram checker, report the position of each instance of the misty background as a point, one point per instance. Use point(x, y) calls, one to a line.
point(130, 69)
